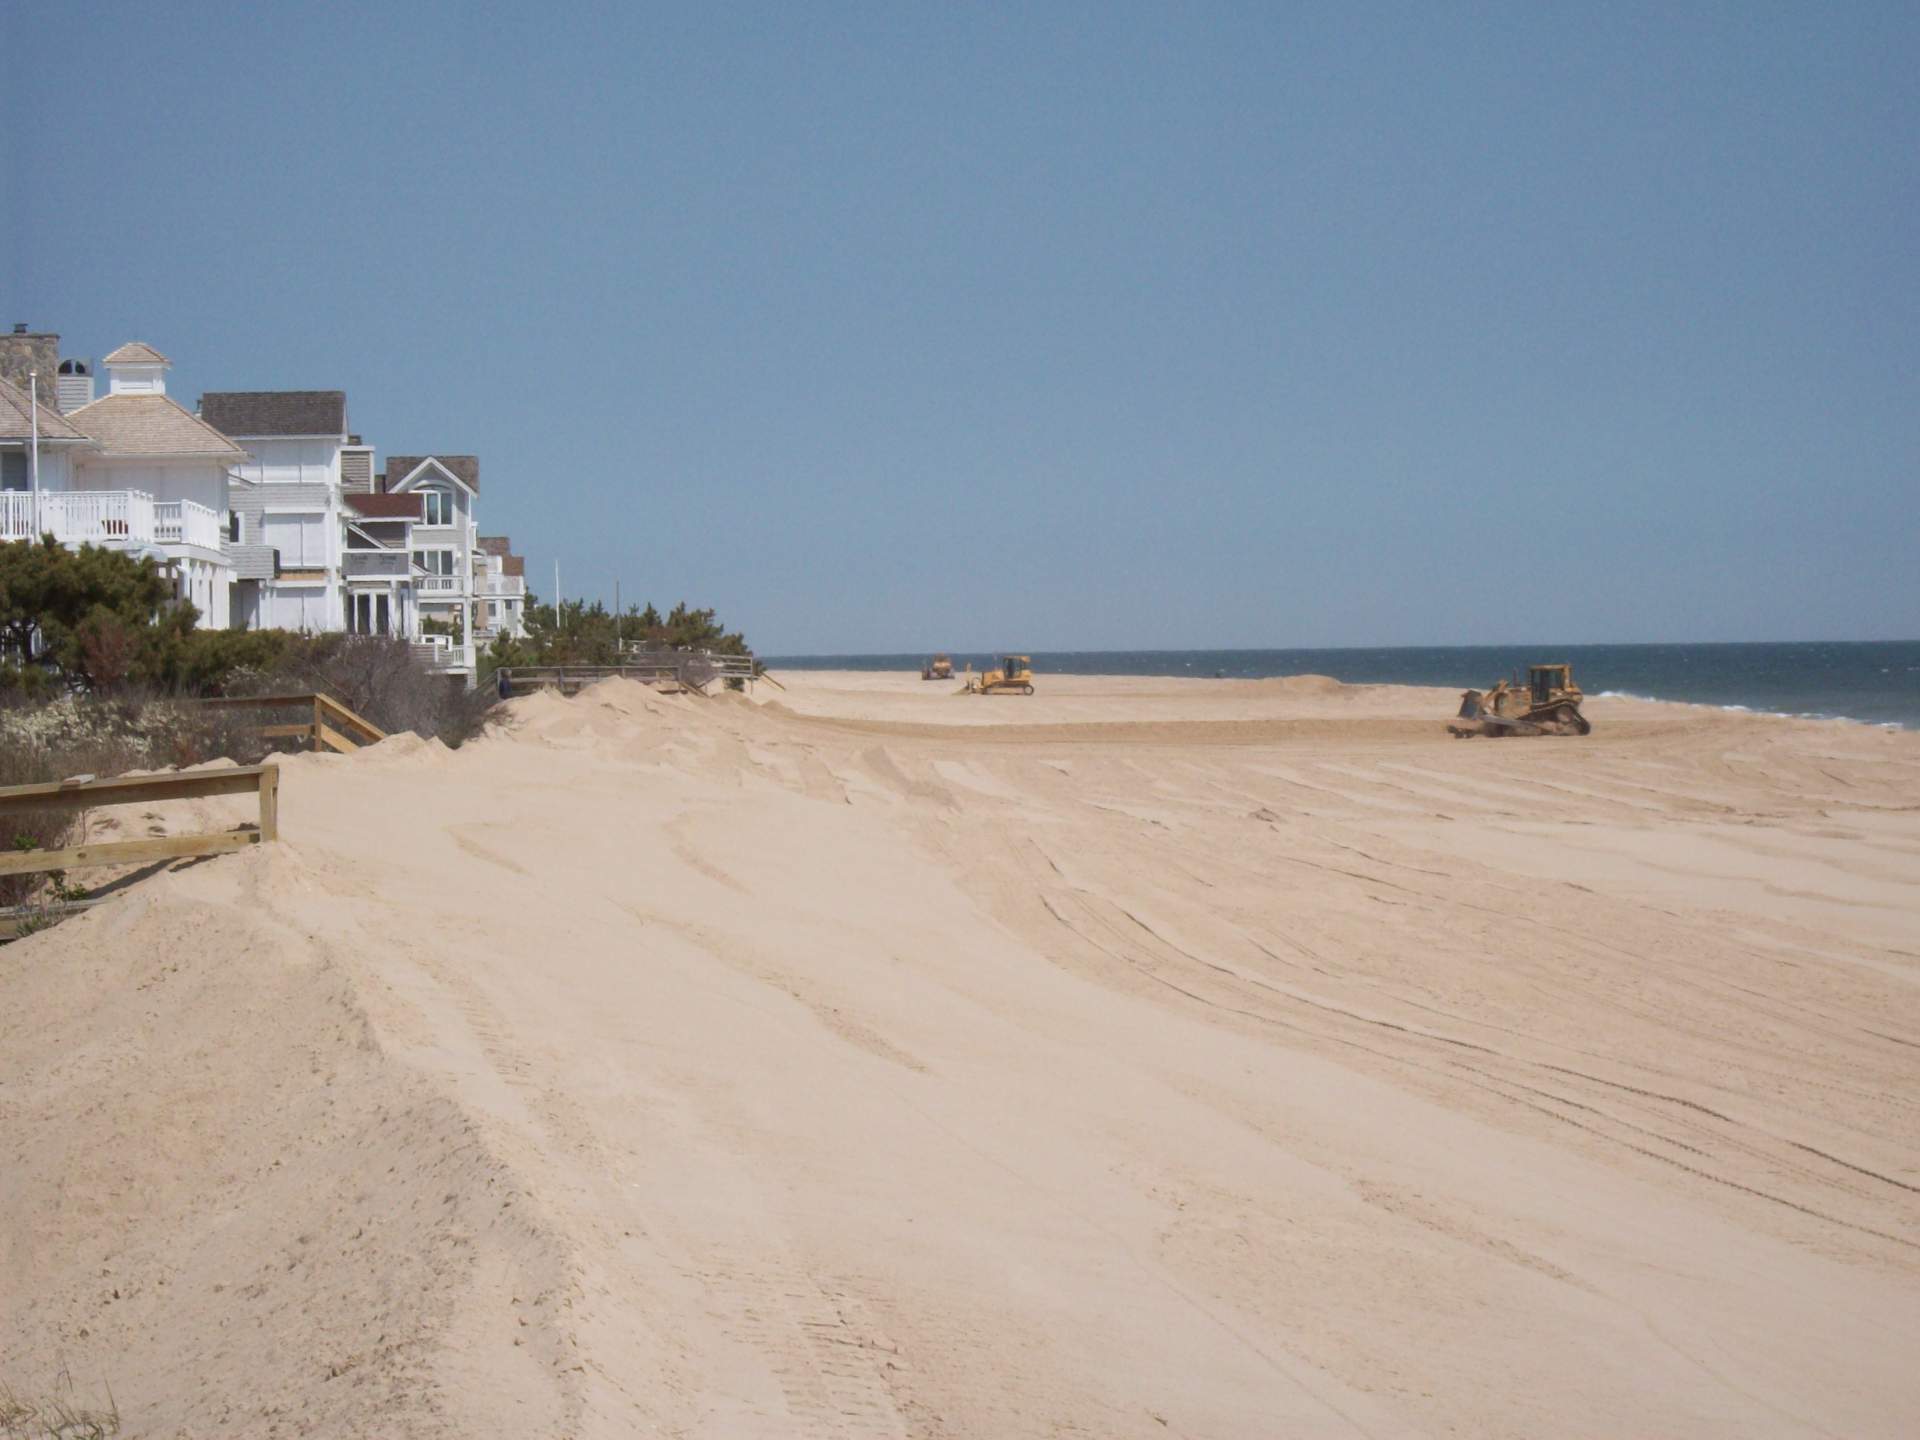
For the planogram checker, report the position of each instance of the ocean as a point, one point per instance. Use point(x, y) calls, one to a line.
point(1874, 682)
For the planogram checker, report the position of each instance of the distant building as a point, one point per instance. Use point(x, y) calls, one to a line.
point(500, 590)
point(264, 507)
point(444, 545)
point(286, 500)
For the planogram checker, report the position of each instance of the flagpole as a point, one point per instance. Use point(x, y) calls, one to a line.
point(33, 463)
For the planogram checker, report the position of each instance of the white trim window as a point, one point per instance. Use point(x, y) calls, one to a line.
point(439, 507)
point(434, 562)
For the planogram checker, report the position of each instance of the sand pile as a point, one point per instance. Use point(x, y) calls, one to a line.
point(227, 1204)
point(1301, 685)
point(1145, 1058)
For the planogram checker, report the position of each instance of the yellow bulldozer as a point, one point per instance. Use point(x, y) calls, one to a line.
point(1014, 677)
point(1548, 704)
point(940, 667)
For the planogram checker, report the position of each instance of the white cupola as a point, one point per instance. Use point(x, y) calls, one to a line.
point(136, 369)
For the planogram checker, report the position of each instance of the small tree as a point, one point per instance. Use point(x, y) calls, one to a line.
point(92, 615)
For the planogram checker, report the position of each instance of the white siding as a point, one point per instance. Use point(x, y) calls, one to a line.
point(296, 607)
point(291, 462)
point(202, 481)
point(300, 539)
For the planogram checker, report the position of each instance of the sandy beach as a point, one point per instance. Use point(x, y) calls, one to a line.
point(1143, 1058)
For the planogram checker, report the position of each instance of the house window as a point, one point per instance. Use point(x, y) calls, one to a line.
point(14, 472)
point(233, 526)
point(434, 562)
point(439, 507)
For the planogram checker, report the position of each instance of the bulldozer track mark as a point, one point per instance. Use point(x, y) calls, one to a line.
point(1775, 1199)
point(1417, 1033)
point(1857, 1169)
point(1414, 1207)
point(1882, 1035)
point(689, 855)
point(819, 1345)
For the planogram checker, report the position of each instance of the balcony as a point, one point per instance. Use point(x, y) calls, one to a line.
point(443, 652)
point(130, 518)
point(183, 522)
point(501, 586)
point(79, 517)
point(377, 564)
point(440, 586)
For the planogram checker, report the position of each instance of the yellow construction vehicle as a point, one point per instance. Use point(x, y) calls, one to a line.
point(1548, 704)
point(1014, 677)
point(940, 667)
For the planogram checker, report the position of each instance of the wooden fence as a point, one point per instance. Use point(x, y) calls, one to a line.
point(333, 724)
point(142, 789)
point(688, 670)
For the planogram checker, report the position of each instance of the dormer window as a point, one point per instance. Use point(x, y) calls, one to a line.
point(439, 507)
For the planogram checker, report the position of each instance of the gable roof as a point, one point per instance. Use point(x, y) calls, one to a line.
point(386, 507)
point(464, 468)
point(276, 412)
point(16, 418)
point(150, 425)
point(136, 352)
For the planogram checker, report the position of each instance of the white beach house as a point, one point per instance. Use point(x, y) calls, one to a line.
point(131, 470)
point(264, 507)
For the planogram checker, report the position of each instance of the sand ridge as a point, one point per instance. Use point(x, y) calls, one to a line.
point(1146, 1057)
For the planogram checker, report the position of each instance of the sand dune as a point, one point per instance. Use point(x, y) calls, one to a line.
point(1147, 1057)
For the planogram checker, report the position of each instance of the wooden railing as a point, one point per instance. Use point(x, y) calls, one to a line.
point(142, 790)
point(333, 724)
point(692, 670)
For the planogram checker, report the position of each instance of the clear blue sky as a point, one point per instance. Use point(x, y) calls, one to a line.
point(896, 327)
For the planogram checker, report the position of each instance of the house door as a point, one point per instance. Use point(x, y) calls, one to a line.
point(371, 613)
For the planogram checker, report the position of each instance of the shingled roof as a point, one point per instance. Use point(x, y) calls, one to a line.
point(136, 352)
point(16, 418)
point(465, 468)
point(386, 507)
point(276, 412)
point(501, 545)
point(150, 425)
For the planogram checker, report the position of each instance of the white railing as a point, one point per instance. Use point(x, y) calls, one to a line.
point(502, 585)
point(443, 652)
point(437, 582)
point(185, 522)
point(82, 517)
point(16, 515)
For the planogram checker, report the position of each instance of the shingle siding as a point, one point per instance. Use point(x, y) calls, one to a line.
point(465, 468)
point(356, 471)
point(250, 562)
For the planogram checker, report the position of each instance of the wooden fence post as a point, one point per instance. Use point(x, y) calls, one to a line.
point(269, 802)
